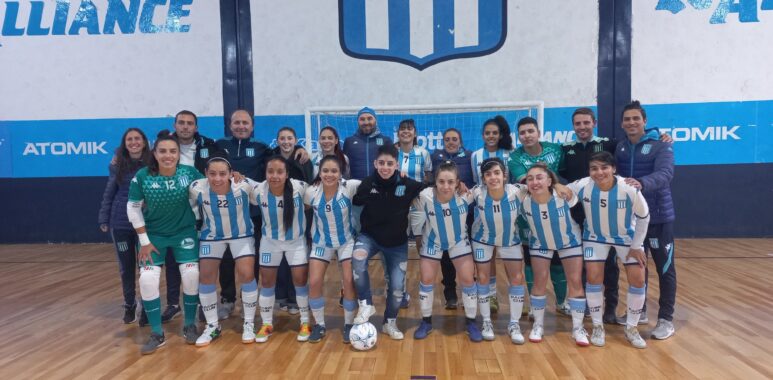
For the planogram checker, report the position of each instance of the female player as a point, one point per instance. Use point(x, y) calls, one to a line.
point(616, 216)
point(553, 229)
point(280, 200)
point(445, 229)
point(133, 154)
point(225, 205)
point(159, 210)
point(330, 198)
point(329, 145)
point(497, 143)
point(530, 152)
point(497, 207)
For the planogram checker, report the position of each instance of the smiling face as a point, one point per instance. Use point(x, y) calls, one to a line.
point(218, 175)
point(528, 134)
point(538, 180)
point(385, 165)
point(241, 125)
point(634, 124)
point(603, 174)
point(446, 184)
point(366, 123)
point(276, 175)
point(286, 141)
point(583, 126)
point(406, 133)
point(491, 137)
point(134, 143)
point(327, 141)
point(452, 141)
point(167, 154)
point(494, 178)
point(330, 173)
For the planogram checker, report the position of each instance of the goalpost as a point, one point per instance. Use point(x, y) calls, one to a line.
point(431, 120)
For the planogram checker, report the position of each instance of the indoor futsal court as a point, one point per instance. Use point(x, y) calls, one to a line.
point(65, 324)
point(386, 189)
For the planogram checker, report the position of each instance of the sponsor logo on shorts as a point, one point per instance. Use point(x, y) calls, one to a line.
point(543, 251)
point(621, 204)
point(319, 252)
point(479, 253)
point(400, 191)
point(187, 243)
point(265, 257)
point(431, 251)
point(588, 252)
point(205, 250)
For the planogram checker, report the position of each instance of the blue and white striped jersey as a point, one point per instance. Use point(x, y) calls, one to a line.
point(446, 223)
point(272, 211)
point(482, 154)
point(551, 224)
point(495, 219)
point(414, 164)
point(610, 216)
point(225, 216)
point(332, 223)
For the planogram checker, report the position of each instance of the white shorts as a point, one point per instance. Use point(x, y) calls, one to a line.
point(435, 253)
point(415, 225)
point(322, 253)
point(271, 252)
point(562, 253)
point(239, 248)
point(484, 252)
point(598, 252)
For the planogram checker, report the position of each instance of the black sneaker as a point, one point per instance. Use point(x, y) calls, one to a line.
point(190, 333)
point(317, 333)
point(452, 304)
point(171, 312)
point(347, 330)
point(202, 318)
point(143, 318)
point(130, 314)
point(155, 342)
point(609, 319)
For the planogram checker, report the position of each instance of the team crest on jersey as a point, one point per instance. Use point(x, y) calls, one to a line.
point(646, 148)
point(238, 201)
point(560, 212)
point(598, 148)
point(265, 257)
point(250, 152)
point(588, 252)
point(297, 202)
point(421, 34)
point(379, 141)
point(550, 158)
point(319, 252)
point(621, 204)
point(187, 243)
point(654, 243)
point(184, 181)
point(400, 191)
point(205, 250)
point(204, 153)
point(342, 203)
point(122, 246)
point(479, 253)
point(513, 205)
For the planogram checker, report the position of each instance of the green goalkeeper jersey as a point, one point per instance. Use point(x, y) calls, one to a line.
point(167, 210)
point(521, 162)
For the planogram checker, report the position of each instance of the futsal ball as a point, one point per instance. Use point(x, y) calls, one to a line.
point(363, 336)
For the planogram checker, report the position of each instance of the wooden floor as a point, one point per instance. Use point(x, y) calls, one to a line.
point(60, 318)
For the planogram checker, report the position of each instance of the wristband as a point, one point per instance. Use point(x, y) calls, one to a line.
point(144, 240)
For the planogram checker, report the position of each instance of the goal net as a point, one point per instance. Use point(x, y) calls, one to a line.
point(431, 120)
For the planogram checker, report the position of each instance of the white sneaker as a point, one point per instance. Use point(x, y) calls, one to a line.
point(632, 335)
point(390, 328)
point(487, 331)
point(598, 336)
point(580, 337)
point(515, 333)
point(535, 336)
point(211, 332)
point(364, 313)
point(248, 332)
point(663, 330)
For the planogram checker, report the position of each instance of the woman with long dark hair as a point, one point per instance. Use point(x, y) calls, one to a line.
point(330, 145)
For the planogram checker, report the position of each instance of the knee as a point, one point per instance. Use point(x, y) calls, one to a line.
point(517, 279)
point(189, 274)
point(150, 278)
point(358, 256)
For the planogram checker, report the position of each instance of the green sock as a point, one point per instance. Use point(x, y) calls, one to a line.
point(153, 311)
point(558, 277)
point(529, 274)
point(190, 304)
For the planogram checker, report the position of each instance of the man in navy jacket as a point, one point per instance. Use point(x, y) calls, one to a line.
point(362, 147)
point(648, 164)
